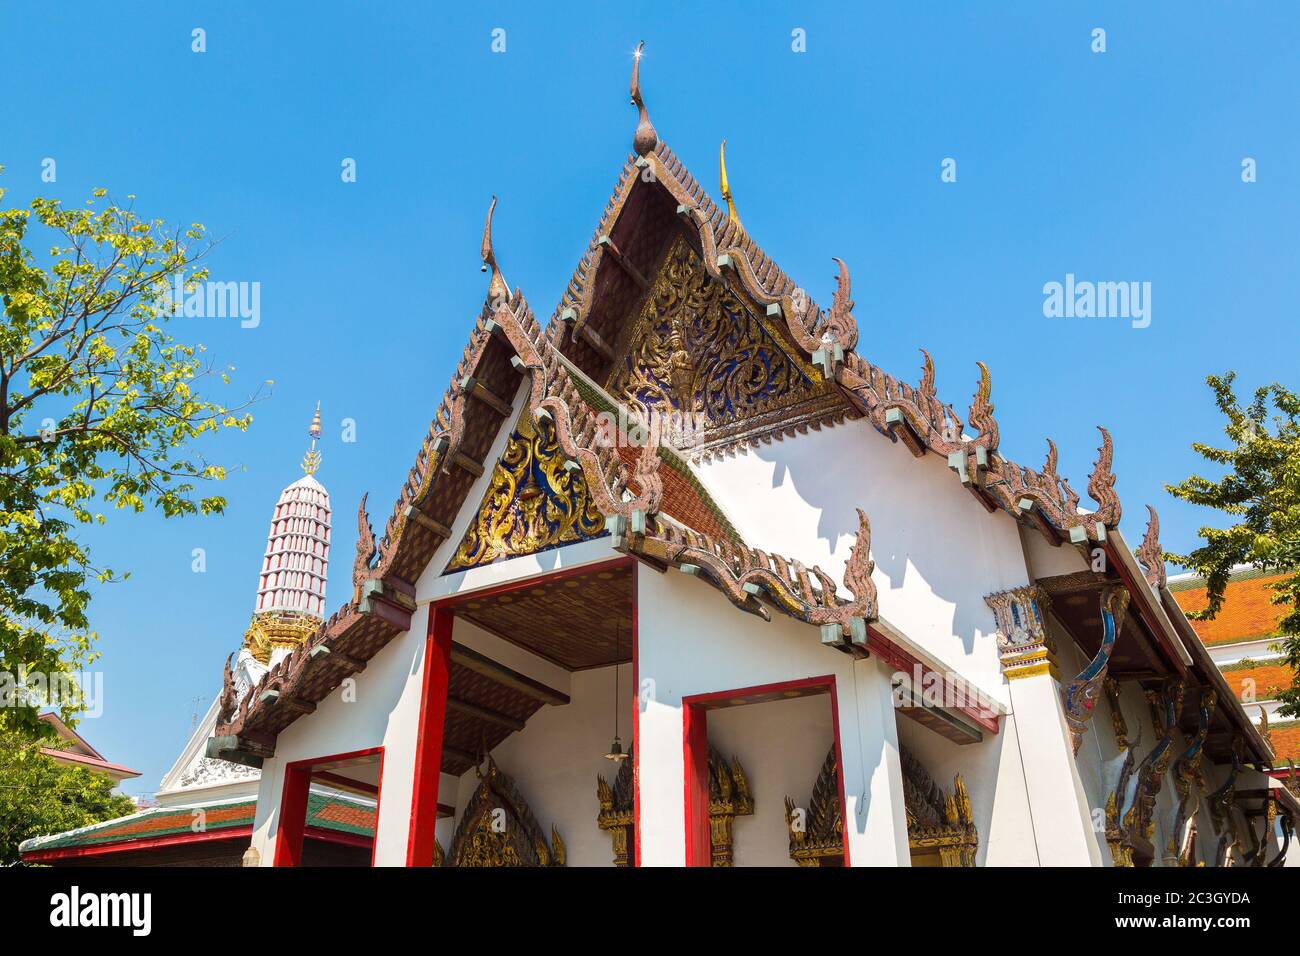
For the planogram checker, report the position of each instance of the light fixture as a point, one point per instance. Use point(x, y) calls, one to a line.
point(616, 753)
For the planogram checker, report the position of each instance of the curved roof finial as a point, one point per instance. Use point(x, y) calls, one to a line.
point(498, 291)
point(645, 138)
point(726, 185)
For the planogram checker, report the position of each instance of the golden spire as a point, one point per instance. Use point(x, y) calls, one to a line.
point(311, 460)
point(726, 186)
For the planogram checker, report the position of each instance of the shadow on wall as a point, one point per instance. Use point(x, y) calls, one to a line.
point(922, 520)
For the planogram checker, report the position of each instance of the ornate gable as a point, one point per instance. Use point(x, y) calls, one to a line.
point(535, 501)
point(719, 373)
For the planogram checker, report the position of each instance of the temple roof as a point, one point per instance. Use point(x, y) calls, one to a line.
point(665, 515)
point(327, 811)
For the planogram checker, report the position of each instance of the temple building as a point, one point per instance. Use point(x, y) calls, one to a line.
point(206, 807)
point(679, 577)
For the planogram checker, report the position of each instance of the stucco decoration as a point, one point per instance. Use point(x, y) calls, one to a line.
point(535, 501)
point(701, 359)
point(729, 797)
point(940, 825)
point(1024, 646)
point(498, 829)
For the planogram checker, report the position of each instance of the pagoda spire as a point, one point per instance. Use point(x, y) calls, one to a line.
point(295, 564)
point(645, 138)
point(311, 460)
point(726, 185)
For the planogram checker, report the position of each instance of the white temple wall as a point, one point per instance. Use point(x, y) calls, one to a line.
point(381, 710)
point(782, 745)
point(1047, 561)
point(938, 553)
point(555, 760)
point(691, 640)
point(995, 780)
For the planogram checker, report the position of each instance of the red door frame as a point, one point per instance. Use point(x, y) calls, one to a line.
point(433, 705)
point(695, 751)
point(428, 738)
point(292, 823)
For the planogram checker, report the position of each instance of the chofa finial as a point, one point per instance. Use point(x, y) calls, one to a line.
point(645, 138)
point(726, 185)
point(498, 291)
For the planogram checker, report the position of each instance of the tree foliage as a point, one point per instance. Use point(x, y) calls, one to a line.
point(1260, 491)
point(39, 796)
point(99, 411)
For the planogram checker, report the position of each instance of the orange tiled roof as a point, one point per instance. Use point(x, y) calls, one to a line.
point(1247, 612)
point(1268, 680)
point(1286, 743)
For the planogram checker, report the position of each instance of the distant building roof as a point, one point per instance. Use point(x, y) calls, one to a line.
point(1248, 611)
point(80, 753)
point(325, 811)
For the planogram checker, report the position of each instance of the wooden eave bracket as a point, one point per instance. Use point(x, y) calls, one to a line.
point(615, 253)
point(389, 601)
point(472, 387)
point(238, 749)
point(900, 427)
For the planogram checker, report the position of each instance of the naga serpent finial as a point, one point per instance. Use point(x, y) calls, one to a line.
point(498, 291)
point(1150, 553)
point(981, 410)
point(645, 138)
point(726, 185)
point(840, 322)
point(1101, 485)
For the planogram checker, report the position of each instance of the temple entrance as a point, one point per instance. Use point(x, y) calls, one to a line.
point(746, 751)
point(528, 723)
point(316, 828)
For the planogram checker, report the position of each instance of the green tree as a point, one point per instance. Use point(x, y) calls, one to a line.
point(1261, 492)
point(39, 796)
point(99, 411)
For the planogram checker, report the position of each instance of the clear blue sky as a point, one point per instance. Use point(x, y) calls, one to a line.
point(1117, 166)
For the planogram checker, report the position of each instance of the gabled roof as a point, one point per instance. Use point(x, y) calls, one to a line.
point(664, 515)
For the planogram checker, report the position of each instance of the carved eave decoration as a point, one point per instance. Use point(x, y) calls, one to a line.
point(1079, 696)
point(940, 825)
point(1131, 815)
point(498, 829)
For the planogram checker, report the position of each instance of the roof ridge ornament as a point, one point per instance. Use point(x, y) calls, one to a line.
point(1101, 484)
point(498, 291)
point(311, 460)
point(1151, 554)
point(725, 185)
point(645, 138)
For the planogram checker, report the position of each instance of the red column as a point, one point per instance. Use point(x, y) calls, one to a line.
point(695, 738)
point(293, 815)
point(428, 744)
